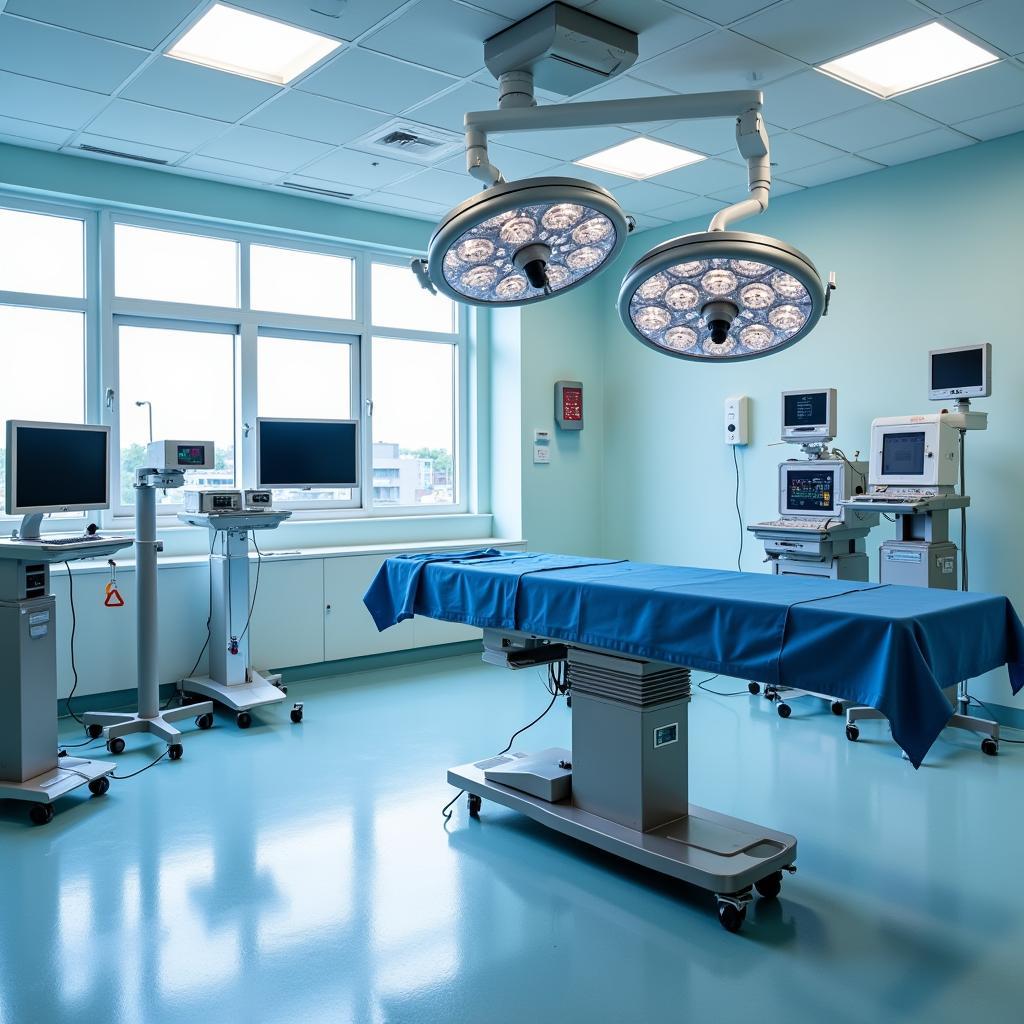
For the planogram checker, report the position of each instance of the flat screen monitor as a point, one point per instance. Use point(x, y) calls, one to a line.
point(809, 415)
point(960, 372)
point(810, 491)
point(903, 453)
point(56, 467)
point(307, 453)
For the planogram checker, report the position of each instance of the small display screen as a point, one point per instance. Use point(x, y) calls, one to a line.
point(903, 454)
point(666, 734)
point(59, 467)
point(308, 453)
point(808, 410)
point(810, 490)
point(964, 369)
point(572, 403)
point(191, 455)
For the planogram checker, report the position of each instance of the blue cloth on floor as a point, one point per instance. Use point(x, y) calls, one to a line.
point(891, 648)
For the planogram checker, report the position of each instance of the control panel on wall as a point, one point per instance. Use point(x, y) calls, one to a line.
point(737, 419)
point(569, 404)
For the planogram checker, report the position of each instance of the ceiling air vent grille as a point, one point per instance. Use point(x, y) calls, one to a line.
point(407, 140)
point(316, 190)
point(122, 156)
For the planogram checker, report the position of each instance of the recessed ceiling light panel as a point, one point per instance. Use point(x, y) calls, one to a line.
point(242, 43)
point(721, 295)
point(522, 241)
point(640, 158)
point(920, 57)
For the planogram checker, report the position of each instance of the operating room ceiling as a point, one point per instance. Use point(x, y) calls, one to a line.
point(77, 73)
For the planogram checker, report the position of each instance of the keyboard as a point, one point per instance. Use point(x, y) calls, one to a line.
point(887, 499)
point(61, 542)
point(799, 524)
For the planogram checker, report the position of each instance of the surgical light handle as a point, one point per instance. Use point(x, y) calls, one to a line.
point(745, 105)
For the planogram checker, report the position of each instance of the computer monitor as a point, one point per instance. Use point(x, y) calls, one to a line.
point(964, 372)
point(914, 451)
point(808, 490)
point(307, 453)
point(57, 467)
point(809, 415)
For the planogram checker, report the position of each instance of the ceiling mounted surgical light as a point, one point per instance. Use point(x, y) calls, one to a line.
point(716, 295)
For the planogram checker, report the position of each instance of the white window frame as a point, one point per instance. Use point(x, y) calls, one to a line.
point(87, 305)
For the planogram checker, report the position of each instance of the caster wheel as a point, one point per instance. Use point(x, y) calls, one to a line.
point(296, 714)
point(41, 814)
point(852, 733)
point(770, 887)
point(95, 731)
point(284, 690)
point(784, 710)
point(205, 721)
point(568, 700)
point(990, 746)
point(174, 751)
point(116, 745)
point(837, 707)
point(754, 688)
point(730, 918)
point(244, 719)
point(98, 787)
point(474, 803)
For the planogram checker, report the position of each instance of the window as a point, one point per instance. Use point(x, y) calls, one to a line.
point(414, 416)
point(182, 375)
point(169, 266)
point(42, 254)
point(400, 301)
point(307, 283)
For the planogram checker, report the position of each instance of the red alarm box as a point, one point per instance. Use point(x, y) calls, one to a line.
point(569, 404)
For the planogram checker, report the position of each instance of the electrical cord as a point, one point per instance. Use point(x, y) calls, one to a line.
point(131, 775)
point(206, 643)
point(702, 685)
point(74, 628)
point(853, 469)
point(739, 513)
point(256, 588)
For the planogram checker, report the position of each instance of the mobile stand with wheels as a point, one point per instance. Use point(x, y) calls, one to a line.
point(30, 769)
point(232, 681)
point(149, 718)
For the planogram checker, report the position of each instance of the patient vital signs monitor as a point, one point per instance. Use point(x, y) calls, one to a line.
point(957, 373)
point(809, 415)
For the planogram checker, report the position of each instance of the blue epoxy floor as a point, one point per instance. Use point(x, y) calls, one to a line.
point(302, 873)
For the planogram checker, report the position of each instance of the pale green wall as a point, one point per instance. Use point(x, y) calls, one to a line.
point(927, 255)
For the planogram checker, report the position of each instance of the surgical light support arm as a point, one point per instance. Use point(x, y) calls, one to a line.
point(744, 105)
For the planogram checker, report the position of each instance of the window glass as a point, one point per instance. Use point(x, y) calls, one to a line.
point(29, 339)
point(305, 378)
point(188, 377)
point(169, 266)
point(400, 301)
point(413, 422)
point(292, 281)
point(42, 254)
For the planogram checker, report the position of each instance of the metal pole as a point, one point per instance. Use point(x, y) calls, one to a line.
point(146, 598)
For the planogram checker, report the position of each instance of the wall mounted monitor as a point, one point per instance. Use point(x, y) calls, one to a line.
point(964, 372)
point(307, 454)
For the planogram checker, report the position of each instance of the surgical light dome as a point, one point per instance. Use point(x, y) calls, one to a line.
point(721, 295)
point(521, 241)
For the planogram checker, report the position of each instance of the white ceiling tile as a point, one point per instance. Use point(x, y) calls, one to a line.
point(399, 206)
point(938, 141)
point(1001, 22)
point(229, 169)
point(332, 186)
point(945, 6)
point(723, 60)
point(591, 174)
point(568, 143)
point(699, 206)
point(791, 152)
point(16, 140)
point(380, 82)
point(346, 165)
point(130, 147)
point(448, 111)
point(245, 145)
point(816, 30)
point(193, 89)
point(736, 193)
point(441, 34)
point(704, 178)
point(723, 11)
point(31, 131)
point(645, 222)
point(126, 21)
point(440, 187)
point(645, 196)
point(513, 163)
point(833, 170)
point(658, 25)
point(991, 126)
point(712, 137)
point(70, 58)
point(873, 125)
point(808, 97)
point(357, 16)
point(316, 117)
point(31, 99)
point(517, 9)
point(124, 119)
point(971, 95)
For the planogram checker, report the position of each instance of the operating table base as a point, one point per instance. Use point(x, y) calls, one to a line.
point(713, 851)
point(982, 726)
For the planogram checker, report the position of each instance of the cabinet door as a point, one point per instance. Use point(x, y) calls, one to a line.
point(349, 631)
point(287, 625)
